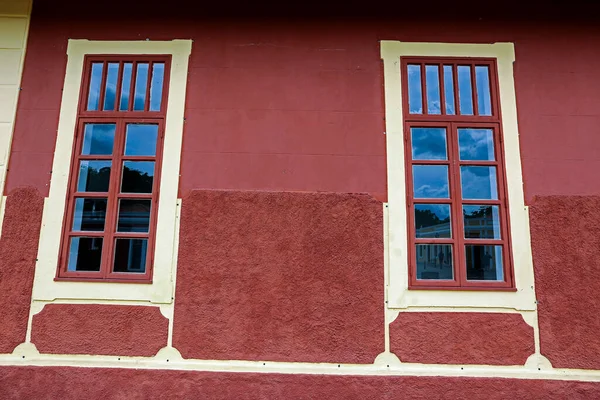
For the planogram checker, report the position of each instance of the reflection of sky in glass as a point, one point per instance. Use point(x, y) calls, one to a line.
point(432, 83)
point(73, 254)
point(479, 183)
point(449, 90)
point(481, 222)
point(125, 86)
point(482, 80)
point(93, 176)
point(156, 86)
point(98, 139)
point(430, 181)
point(465, 94)
point(432, 220)
point(476, 144)
point(415, 100)
point(141, 140)
point(141, 81)
point(484, 263)
point(95, 82)
point(428, 143)
point(111, 86)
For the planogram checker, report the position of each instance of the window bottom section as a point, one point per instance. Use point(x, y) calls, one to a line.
point(434, 262)
point(130, 255)
point(85, 254)
point(484, 263)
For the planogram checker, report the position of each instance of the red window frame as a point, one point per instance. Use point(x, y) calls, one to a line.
point(452, 123)
point(121, 119)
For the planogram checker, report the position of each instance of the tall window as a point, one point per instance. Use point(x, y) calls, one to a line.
point(113, 191)
point(456, 184)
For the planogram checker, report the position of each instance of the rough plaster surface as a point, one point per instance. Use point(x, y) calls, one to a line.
point(93, 383)
point(280, 276)
point(565, 235)
point(99, 329)
point(18, 252)
point(461, 338)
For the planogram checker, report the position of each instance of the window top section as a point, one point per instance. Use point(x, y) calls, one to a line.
point(125, 84)
point(453, 89)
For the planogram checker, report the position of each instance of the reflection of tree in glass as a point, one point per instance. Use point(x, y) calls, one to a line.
point(136, 182)
point(97, 180)
point(429, 218)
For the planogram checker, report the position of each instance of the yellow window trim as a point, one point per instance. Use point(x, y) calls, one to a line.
point(398, 295)
point(162, 288)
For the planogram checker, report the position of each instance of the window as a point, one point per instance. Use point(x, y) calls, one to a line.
point(112, 202)
point(443, 102)
point(457, 209)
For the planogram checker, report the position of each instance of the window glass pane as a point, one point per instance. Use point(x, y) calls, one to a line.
point(432, 83)
point(137, 177)
point(476, 144)
point(430, 181)
point(434, 261)
point(110, 93)
point(156, 86)
point(98, 139)
point(89, 215)
point(415, 99)
point(482, 222)
point(85, 254)
point(433, 221)
point(94, 176)
point(482, 79)
point(126, 86)
point(141, 140)
point(465, 94)
point(95, 82)
point(428, 143)
point(479, 183)
point(130, 255)
point(484, 263)
point(449, 89)
point(134, 215)
point(141, 81)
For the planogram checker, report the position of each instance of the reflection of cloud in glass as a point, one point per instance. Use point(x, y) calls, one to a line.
point(432, 220)
point(111, 86)
point(479, 183)
point(141, 81)
point(432, 84)
point(430, 181)
point(141, 140)
point(98, 139)
point(95, 82)
point(428, 143)
point(449, 89)
point(415, 100)
point(465, 94)
point(156, 86)
point(476, 144)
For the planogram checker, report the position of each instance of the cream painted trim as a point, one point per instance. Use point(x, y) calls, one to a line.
point(398, 294)
point(162, 289)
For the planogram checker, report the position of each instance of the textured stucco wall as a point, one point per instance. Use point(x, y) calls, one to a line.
point(565, 235)
point(99, 329)
point(280, 276)
point(461, 338)
point(92, 383)
point(18, 251)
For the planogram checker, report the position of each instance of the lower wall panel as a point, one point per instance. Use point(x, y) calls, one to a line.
point(115, 383)
point(18, 252)
point(280, 276)
point(565, 237)
point(99, 329)
point(461, 338)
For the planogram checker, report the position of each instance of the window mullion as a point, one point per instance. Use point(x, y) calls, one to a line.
point(113, 205)
point(456, 207)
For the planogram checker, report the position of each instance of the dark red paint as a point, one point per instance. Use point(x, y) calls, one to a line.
point(280, 276)
point(565, 236)
point(18, 252)
point(99, 329)
point(95, 383)
point(461, 338)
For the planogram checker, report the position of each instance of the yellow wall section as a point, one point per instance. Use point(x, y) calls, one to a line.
point(14, 25)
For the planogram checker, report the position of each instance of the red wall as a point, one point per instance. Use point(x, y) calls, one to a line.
point(296, 105)
point(95, 383)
